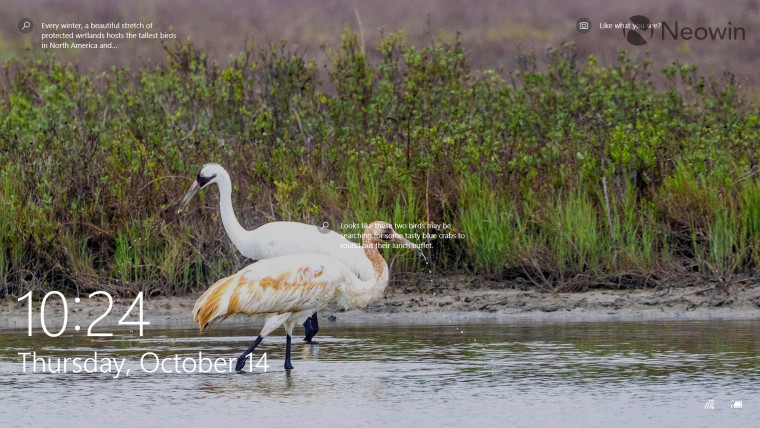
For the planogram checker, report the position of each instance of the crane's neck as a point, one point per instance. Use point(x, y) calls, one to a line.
point(363, 293)
point(231, 224)
point(374, 256)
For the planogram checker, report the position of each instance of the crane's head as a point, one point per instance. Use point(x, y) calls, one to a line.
point(381, 232)
point(208, 174)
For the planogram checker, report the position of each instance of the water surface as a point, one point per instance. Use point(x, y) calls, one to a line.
point(473, 374)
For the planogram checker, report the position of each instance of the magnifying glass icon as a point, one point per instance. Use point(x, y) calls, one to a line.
point(25, 25)
point(324, 227)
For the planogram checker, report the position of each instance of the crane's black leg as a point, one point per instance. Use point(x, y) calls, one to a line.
point(307, 330)
point(288, 366)
point(312, 327)
point(241, 359)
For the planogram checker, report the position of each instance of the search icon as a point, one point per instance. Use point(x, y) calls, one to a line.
point(325, 227)
point(25, 25)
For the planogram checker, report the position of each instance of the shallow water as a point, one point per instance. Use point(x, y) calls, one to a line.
point(515, 374)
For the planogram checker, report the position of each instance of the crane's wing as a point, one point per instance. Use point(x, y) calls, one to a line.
point(282, 284)
point(281, 238)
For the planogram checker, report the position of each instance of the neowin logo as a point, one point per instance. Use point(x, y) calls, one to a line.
point(641, 30)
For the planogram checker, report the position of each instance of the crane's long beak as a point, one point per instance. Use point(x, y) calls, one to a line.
point(396, 237)
point(189, 195)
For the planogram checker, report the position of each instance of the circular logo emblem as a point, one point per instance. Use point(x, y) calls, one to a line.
point(640, 25)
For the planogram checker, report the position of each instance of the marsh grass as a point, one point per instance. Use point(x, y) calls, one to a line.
point(723, 236)
point(489, 222)
point(749, 208)
point(635, 234)
point(573, 170)
point(576, 237)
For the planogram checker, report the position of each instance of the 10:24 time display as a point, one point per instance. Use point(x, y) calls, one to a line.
point(122, 321)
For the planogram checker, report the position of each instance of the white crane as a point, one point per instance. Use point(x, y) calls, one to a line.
point(287, 289)
point(279, 238)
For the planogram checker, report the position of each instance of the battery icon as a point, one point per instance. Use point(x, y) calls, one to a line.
point(736, 404)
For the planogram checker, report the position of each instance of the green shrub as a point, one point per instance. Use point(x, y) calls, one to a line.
point(94, 165)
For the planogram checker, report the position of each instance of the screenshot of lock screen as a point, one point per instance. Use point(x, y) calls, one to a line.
point(355, 213)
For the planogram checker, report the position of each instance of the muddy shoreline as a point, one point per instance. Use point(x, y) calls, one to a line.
point(454, 299)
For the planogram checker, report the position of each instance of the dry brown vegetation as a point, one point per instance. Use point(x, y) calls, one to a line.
point(493, 32)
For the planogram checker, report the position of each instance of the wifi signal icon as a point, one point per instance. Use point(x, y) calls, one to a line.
point(710, 405)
